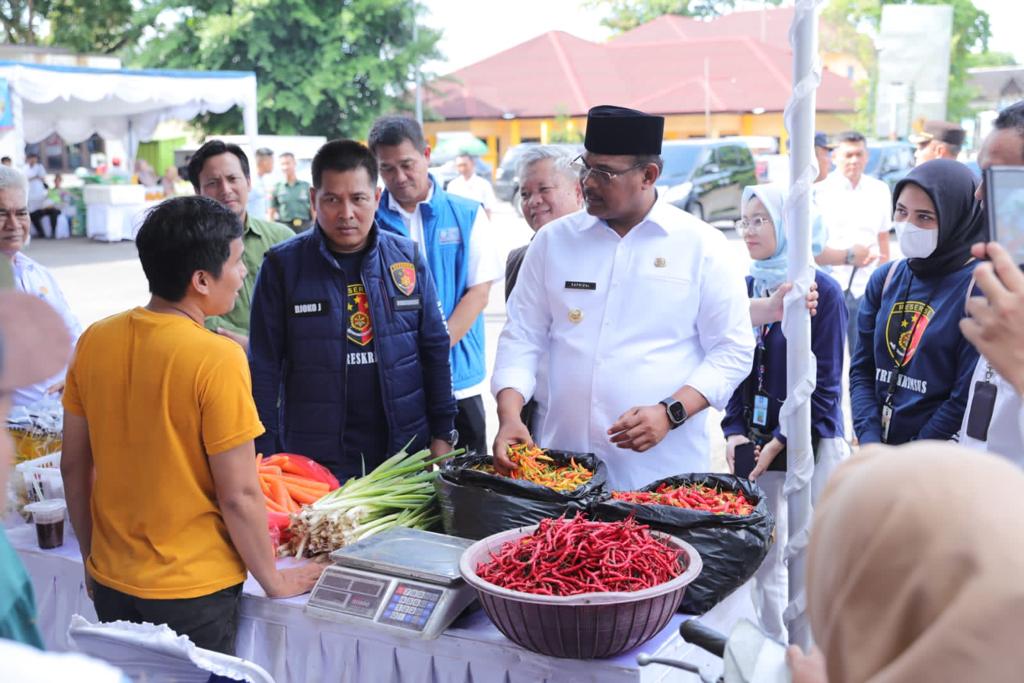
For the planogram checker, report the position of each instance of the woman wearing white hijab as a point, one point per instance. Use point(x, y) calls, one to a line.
point(752, 415)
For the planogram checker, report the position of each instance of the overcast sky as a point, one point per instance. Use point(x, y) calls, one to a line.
point(479, 29)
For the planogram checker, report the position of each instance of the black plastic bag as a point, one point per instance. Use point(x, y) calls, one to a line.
point(731, 546)
point(476, 504)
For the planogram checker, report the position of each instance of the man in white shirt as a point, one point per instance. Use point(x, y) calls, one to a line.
point(994, 418)
point(856, 211)
point(263, 184)
point(644, 316)
point(455, 237)
point(471, 186)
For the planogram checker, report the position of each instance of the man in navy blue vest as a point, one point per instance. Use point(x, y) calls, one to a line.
point(453, 235)
point(348, 345)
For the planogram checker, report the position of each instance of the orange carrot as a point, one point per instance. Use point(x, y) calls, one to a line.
point(265, 487)
point(269, 469)
point(275, 460)
point(292, 505)
point(306, 483)
point(279, 492)
point(272, 505)
point(301, 495)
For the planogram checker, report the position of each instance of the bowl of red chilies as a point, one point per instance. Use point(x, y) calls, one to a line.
point(580, 589)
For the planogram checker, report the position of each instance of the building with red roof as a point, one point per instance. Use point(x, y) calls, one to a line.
point(708, 78)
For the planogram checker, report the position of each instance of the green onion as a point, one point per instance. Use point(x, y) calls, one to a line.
point(398, 492)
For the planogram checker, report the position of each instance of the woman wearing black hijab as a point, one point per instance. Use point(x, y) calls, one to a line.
point(911, 369)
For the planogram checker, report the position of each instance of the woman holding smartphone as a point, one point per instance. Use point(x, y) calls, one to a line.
point(911, 370)
point(751, 422)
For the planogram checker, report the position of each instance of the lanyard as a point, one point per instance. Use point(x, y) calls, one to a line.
point(760, 368)
point(898, 366)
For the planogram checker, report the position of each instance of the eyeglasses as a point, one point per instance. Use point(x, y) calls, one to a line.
point(753, 226)
point(600, 175)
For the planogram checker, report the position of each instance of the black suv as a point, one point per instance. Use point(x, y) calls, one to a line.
point(706, 177)
point(889, 160)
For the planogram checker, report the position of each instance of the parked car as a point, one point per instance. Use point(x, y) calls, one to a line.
point(889, 160)
point(506, 178)
point(706, 177)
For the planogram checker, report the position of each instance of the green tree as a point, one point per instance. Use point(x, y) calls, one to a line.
point(104, 26)
point(624, 15)
point(323, 67)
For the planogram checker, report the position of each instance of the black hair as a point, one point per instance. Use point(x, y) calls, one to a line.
point(391, 131)
point(4, 159)
point(343, 155)
point(214, 148)
point(851, 137)
point(651, 159)
point(1012, 117)
point(182, 235)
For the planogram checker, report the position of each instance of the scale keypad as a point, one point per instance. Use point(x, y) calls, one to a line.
point(410, 606)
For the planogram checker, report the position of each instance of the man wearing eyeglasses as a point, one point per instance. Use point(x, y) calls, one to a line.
point(645, 320)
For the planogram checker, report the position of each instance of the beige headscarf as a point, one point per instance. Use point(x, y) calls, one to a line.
point(916, 567)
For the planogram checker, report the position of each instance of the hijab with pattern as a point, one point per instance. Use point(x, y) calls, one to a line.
point(915, 565)
point(950, 185)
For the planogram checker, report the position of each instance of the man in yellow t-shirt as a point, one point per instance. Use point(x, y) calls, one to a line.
point(161, 410)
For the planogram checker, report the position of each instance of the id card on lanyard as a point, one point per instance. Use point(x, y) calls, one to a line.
point(760, 412)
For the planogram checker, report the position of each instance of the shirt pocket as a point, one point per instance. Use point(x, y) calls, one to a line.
point(668, 301)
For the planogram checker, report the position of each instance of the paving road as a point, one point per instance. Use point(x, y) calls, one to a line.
point(100, 279)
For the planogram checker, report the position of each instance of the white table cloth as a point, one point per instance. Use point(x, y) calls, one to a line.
point(293, 647)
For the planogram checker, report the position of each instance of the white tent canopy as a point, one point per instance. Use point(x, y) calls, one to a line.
point(123, 104)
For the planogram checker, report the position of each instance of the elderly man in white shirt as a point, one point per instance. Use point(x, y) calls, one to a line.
point(644, 317)
point(856, 211)
point(29, 277)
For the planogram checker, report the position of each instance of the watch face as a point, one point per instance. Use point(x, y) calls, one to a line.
point(677, 412)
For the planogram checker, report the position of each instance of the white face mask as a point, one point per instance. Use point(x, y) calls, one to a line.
point(916, 242)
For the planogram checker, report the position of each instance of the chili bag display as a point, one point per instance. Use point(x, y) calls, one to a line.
point(475, 504)
point(731, 546)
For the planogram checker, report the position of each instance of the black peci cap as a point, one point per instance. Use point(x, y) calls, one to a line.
point(618, 130)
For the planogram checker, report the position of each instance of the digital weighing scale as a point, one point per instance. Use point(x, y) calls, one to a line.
point(403, 580)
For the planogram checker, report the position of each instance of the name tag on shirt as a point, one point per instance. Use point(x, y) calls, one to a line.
point(304, 309)
point(408, 303)
point(449, 236)
point(576, 284)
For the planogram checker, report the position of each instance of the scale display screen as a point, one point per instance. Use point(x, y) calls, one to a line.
point(360, 597)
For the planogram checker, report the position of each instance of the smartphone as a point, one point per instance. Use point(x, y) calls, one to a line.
point(743, 459)
point(1004, 203)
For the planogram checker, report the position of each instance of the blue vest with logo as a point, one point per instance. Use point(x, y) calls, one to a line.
point(447, 226)
point(297, 349)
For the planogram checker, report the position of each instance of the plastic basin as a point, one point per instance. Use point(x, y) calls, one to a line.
point(588, 626)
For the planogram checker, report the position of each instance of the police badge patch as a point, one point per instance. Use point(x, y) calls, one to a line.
point(404, 276)
point(904, 329)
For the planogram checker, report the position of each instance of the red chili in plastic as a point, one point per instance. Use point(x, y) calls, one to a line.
point(693, 497)
point(540, 564)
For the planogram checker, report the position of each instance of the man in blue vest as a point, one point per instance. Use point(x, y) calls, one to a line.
point(348, 347)
point(454, 236)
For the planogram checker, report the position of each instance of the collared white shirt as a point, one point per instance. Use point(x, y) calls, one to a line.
point(36, 176)
point(476, 188)
point(1005, 435)
point(853, 215)
point(626, 322)
point(32, 278)
point(485, 262)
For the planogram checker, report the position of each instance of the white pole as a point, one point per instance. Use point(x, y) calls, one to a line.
point(707, 97)
point(419, 88)
point(801, 371)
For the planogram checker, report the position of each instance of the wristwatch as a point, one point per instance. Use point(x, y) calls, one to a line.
point(451, 438)
point(676, 412)
point(849, 256)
